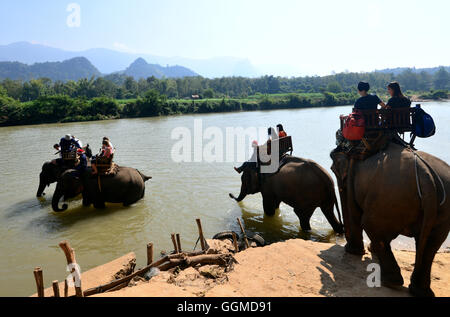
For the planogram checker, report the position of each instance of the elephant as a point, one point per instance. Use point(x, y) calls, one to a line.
point(300, 183)
point(51, 171)
point(395, 192)
point(49, 175)
point(127, 186)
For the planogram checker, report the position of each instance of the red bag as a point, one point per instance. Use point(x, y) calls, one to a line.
point(354, 126)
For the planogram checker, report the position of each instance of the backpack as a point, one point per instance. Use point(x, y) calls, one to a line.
point(354, 126)
point(423, 123)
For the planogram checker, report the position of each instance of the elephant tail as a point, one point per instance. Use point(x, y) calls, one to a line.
point(338, 209)
point(144, 177)
point(428, 192)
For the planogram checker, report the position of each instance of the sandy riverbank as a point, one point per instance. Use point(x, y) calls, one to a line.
point(291, 268)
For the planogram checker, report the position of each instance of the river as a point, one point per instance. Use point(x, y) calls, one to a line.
point(177, 194)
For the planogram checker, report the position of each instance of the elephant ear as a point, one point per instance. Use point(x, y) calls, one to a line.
point(340, 165)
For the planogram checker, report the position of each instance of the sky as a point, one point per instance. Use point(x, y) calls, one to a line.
point(287, 37)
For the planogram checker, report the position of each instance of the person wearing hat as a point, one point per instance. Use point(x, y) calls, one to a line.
point(68, 143)
point(367, 101)
point(82, 164)
point(253, 162)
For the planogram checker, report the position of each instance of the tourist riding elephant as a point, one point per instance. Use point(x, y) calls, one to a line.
point(127, 186)
point(395, 192)
point(300, 183)
point(51, 171)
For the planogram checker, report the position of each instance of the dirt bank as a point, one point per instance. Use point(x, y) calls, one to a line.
point(291, 268)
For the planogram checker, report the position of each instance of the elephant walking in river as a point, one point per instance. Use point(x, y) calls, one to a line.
point(300, 183)
point(396, 192)
point(127, 186)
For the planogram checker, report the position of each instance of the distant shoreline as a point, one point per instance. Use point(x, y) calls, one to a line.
point(126, 109)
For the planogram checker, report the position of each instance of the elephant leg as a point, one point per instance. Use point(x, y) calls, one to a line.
point(86, 200)
point(421, 277)
point(305, 216)
point(270, 205)
point(99, 204)
point(353, 231)
point(328, 211)
point(390, 271)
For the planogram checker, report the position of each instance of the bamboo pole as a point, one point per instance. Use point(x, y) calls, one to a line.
point(70, 257)
point(175, 246)
point(200, 232)
point(149, 253)
point(55, 285)
point(243, 232)
point(39, 277)
point(236, 248)
point(179, 242)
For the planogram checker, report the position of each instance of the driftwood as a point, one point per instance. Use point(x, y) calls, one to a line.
point(149, 253)
point(236, 248)
point(243, 232)
point(55, 285)
point(70, 257)
point(175, 246)
point(200, 233)
point(160, 264)
point(39, 277)
point(179, 242)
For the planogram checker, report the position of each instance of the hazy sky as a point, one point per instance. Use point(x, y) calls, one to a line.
point(290, 36)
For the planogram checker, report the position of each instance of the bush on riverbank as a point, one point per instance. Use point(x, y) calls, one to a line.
point(435, 95)
point(62, 108)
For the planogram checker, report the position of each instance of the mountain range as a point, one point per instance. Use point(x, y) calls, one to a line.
point(109, 61)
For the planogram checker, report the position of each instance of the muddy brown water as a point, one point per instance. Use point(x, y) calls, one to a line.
point(177, 194)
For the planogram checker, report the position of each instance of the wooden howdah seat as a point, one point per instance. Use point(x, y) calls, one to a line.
point(284, 145)
point(69, 156)
point(399, 120)
point(104, 164)
point(381, 126)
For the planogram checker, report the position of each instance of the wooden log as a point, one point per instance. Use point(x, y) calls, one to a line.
point(126, 279)
point(66, 288)
point(55, 285)
point(39, 278)
point(70, 257)
point(179, 242)
point(149, 253)
point(200, 232)
point(243, 232)
point(175, 246)
point(236, 247)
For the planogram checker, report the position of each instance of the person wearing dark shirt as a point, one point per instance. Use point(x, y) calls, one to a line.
point(367, 102)
point(398, 100)
point(82, 164)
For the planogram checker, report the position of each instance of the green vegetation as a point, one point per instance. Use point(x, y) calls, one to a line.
point(112, 97)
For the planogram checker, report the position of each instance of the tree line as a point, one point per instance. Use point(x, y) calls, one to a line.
point(118, 96)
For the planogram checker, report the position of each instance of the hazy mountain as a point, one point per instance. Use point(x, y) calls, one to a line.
point(141, 69)
point(72, 69)
point(110, 61)
point(399, 70)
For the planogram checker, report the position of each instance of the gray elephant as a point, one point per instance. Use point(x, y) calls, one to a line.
point(127, 186)
point(395, 192)
point(302, 184)
point(51, 171)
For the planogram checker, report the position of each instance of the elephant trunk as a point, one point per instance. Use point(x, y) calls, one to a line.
point(41, 188)
point(241, 197)
point(56, 198)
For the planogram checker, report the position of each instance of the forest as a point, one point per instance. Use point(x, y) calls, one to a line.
point(119, 96)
